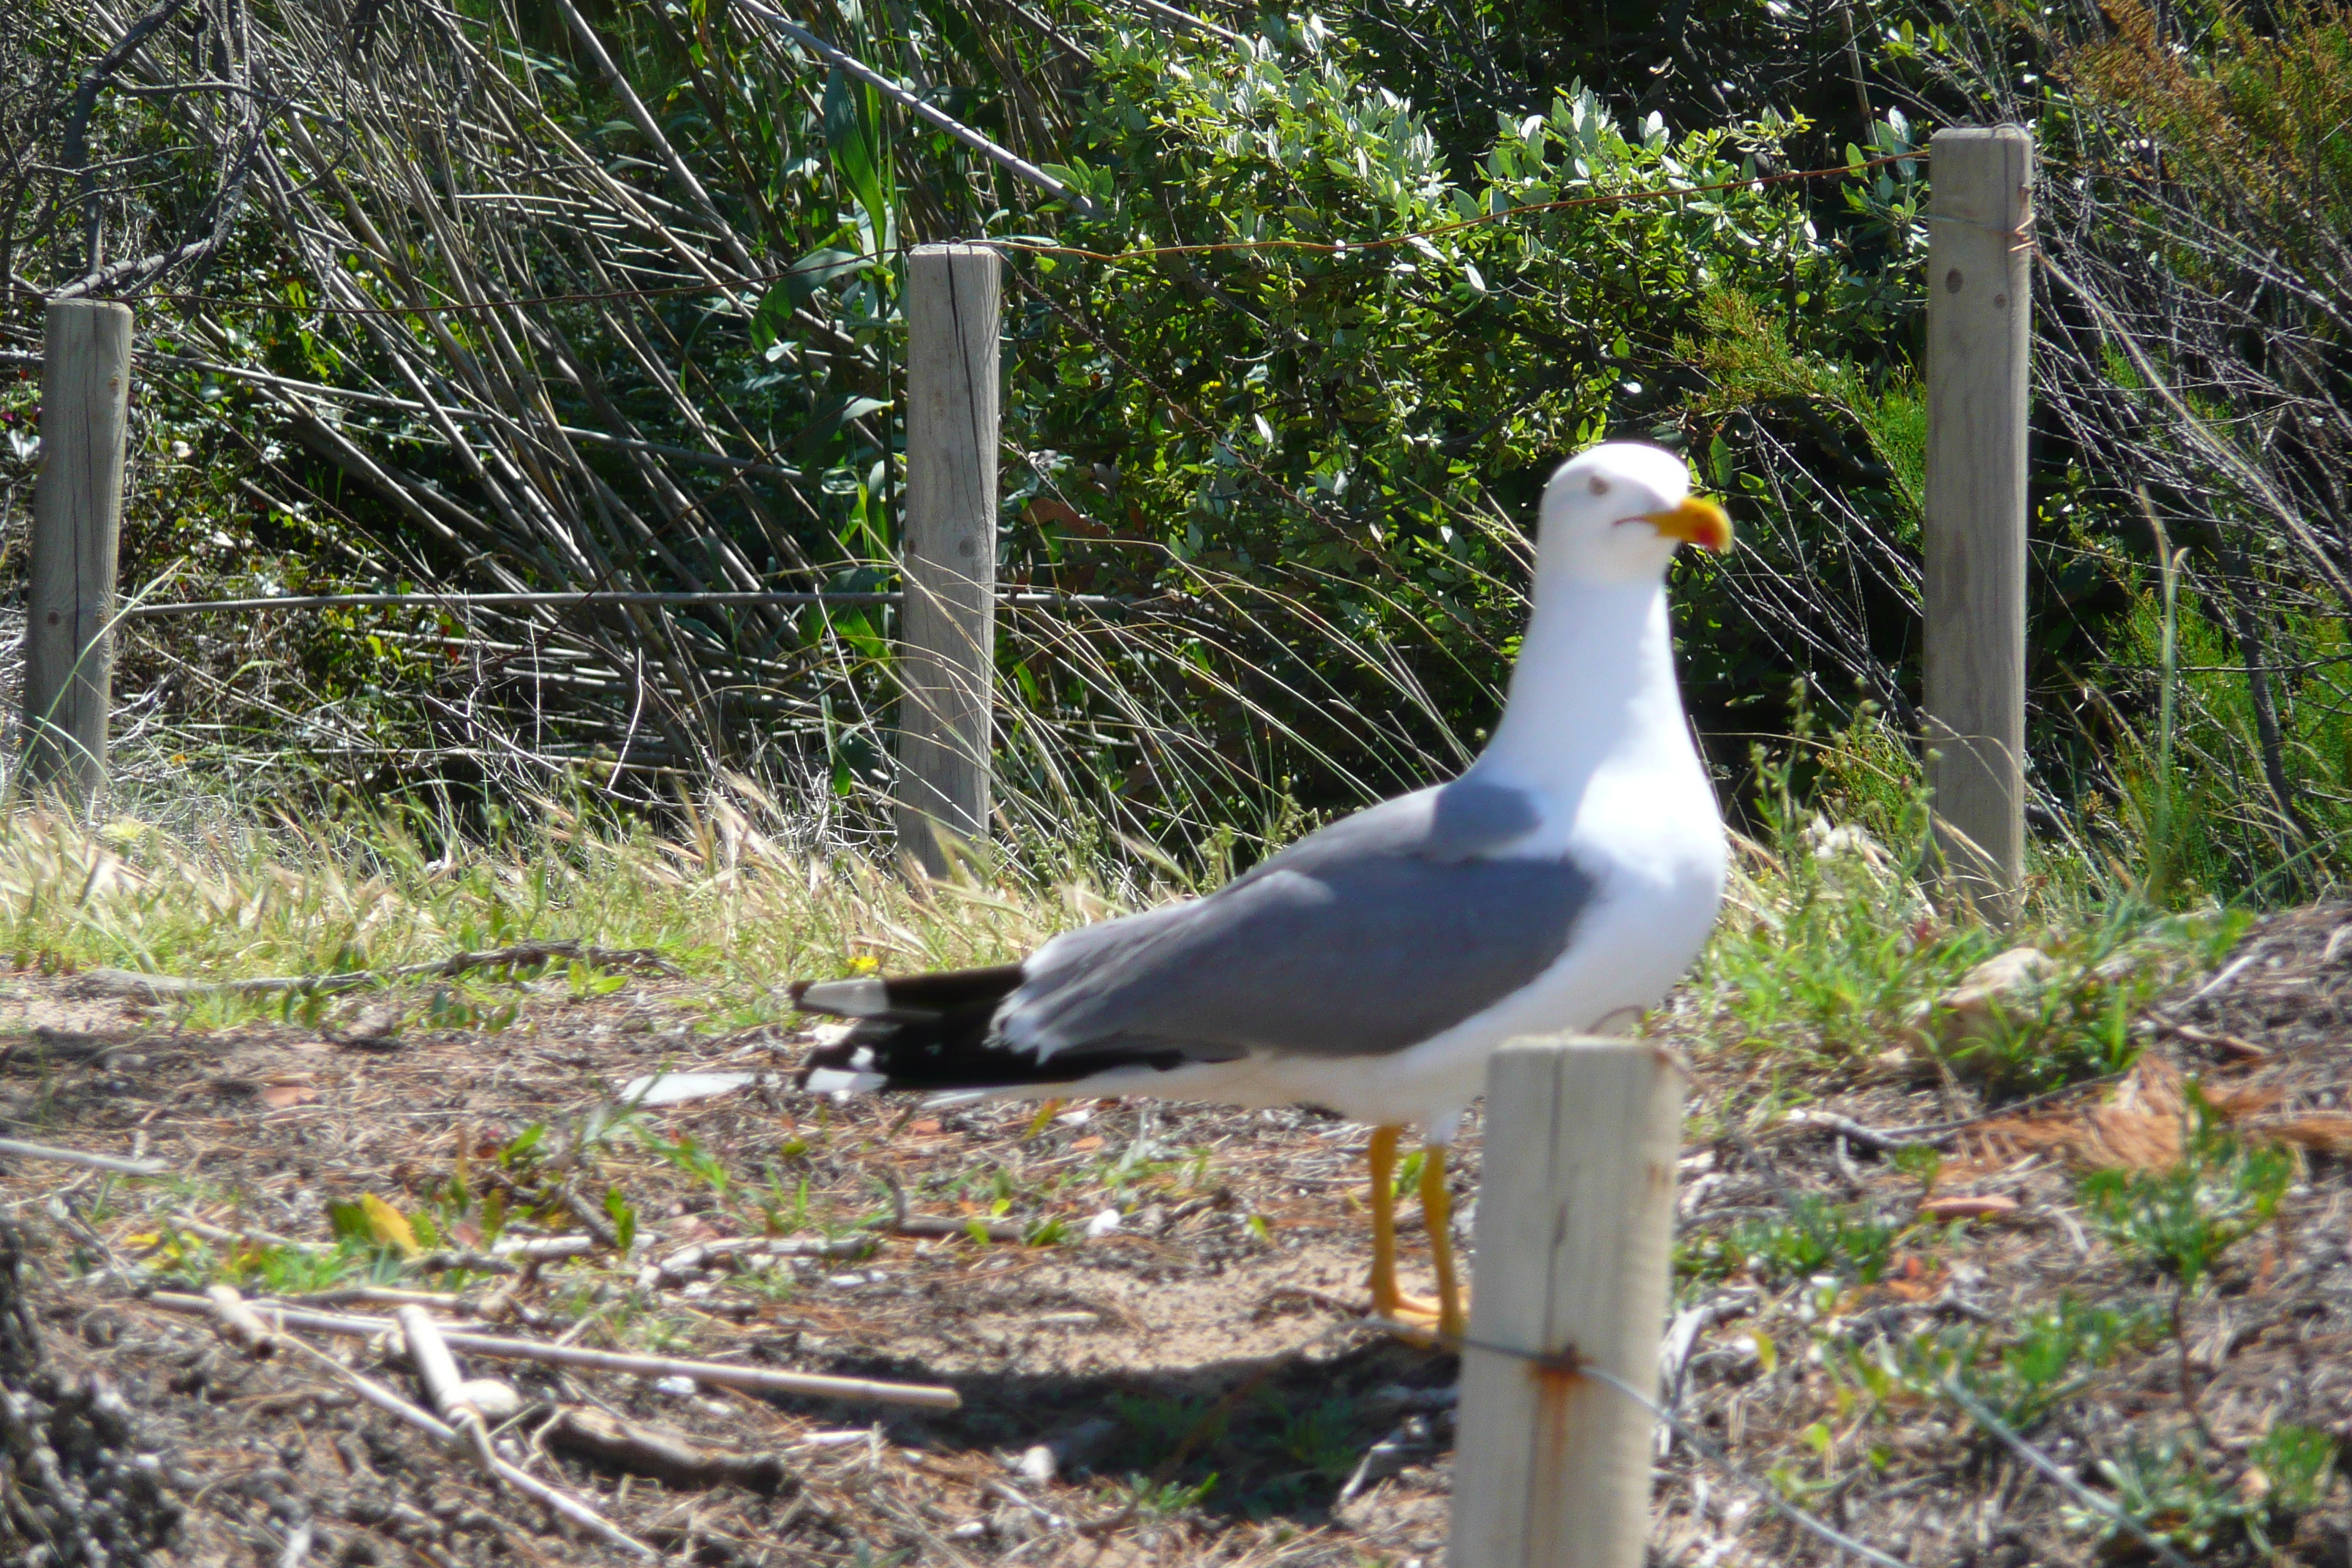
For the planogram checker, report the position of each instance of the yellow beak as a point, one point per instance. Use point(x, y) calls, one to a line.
point(1697, 520)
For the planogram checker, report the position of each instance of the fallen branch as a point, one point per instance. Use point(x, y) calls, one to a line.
point(159, 988)
point(649, 1451)
point(76, 1157)
point(758, 1380)
point(557, 1500)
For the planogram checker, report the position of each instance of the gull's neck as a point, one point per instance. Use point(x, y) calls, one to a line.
point(1593, 688)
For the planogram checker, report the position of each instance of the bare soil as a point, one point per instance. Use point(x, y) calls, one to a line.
point(1190, 1385)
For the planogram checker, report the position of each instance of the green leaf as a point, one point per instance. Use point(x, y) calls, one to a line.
point(772, 318)
point(853, 116)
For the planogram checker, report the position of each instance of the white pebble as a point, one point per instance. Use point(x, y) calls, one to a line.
point(496, 1400)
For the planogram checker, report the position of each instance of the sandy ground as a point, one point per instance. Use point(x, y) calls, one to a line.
point(1188, 1385)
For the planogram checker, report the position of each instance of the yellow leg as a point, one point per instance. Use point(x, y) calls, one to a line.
point(1384, 1280)
point(1437, 1215)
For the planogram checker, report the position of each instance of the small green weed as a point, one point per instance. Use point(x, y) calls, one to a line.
point(588, 981)
point(1838, 947)
point(2184, 1219)
point(1159, 1500)
point(2169, 1491)
point(1322, 1437)
point(1051, 1231)
point(623, 1215)
point(689, 1156)
point(2020, 1371)
point(1923, 1162)
point(283, 1270)
point(450, 1008)
point(2296, 1465)
point(1813, 1237)
point(2079, 1025)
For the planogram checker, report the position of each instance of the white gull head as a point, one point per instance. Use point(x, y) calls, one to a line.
point(1616, 515)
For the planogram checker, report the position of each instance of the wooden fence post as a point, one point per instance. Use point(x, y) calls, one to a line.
point(1575, 1240)
point(947, 661)
point(1979, 340)
point(77, 523)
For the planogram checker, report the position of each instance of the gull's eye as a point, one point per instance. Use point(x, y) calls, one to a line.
point(1600, 486)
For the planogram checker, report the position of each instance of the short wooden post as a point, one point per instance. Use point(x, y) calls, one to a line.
point(76, 524)
point(1980, 337)
point(1575, 1240)
point(947, 661)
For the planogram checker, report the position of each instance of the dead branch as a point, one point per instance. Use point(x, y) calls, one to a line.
point(553, 1497)
point(649, 1451)
point(159, 988)
point(755, 1379)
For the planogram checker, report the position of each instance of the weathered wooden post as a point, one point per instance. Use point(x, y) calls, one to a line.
point(1980, 339)
point(76, 524)
point(947, 661)
point(1575, 1240)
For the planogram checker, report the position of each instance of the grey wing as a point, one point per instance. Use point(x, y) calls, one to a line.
point(1369, 937)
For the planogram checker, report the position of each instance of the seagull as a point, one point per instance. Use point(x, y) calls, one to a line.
point(1564, 882)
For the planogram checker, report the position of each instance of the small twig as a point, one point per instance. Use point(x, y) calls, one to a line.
point(598, 1225)
point(938, 1228)
point(380, 1296)
point(545, 1248)
point(240, 1324)
point(2232, 1044)
point(1051, 1520)
point(941, 1227)
point(471, 1262)
point(211, 1232)
point(2229, 972)
point(1885, 1142)
point(76, 1157)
